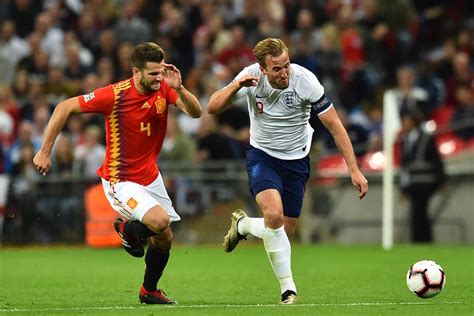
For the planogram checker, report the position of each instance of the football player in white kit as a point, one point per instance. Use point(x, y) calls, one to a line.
point(281, 98)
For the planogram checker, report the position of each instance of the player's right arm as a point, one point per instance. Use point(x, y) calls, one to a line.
point(63, 110)
point(221, 99)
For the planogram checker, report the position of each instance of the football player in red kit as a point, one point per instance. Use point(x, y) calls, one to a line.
point(135, 112)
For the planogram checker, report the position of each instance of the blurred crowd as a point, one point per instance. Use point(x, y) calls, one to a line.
point(420, 50)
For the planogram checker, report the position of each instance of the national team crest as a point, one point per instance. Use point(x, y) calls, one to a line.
point(160, 106)
point(289, 98)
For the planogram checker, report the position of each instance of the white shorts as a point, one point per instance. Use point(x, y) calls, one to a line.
point(132, 200)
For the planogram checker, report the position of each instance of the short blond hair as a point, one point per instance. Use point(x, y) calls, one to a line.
point(269, 46)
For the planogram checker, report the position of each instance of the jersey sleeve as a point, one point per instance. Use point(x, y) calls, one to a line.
point(242, 91)
point(99, 101)
point(250, 70)
point(314, 91)
point(310, 87)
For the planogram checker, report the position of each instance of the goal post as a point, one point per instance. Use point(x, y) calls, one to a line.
point(391, 123)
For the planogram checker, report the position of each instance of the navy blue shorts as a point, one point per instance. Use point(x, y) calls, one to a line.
point(289, 177)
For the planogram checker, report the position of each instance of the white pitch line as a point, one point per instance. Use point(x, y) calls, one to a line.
point(64, 309)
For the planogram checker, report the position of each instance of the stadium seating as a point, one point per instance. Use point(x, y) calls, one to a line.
point(333, 164)
point(442, 116)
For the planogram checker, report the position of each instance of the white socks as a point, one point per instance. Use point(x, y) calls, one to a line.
point(278, 249)
point(251, 225)
point(277, 246)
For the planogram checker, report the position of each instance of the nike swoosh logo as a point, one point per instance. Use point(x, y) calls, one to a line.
point(260, 97)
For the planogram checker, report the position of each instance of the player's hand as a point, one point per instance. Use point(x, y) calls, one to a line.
point(360, 183)
point(42, 162)
point(172, 76)
point(247, 81)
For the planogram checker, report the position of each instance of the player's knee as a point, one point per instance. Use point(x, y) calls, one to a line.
point(274, 218)
point(160, 223)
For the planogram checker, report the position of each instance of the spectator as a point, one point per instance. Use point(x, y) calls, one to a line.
point(422, 173)
point(58, 88)
point(209, 42)
point(330, 62)
point(84, 54)
point(358, 134)
point(39, 67)
point(306, 33)
point(42, 112)
point(433, 85)
point(107, 48)
point(355, 80)
point(375, 116)
point(12, 49)
point(20, 87)
point(23, 13)
point(34, 47)
point(63, 157)
point(212, 144)
point(105, 71)
point(123, 71)
point(235, 124)
point(51, 38)
point(130, 27)
point(406, 95)
point(462, 74)
point(462, 121)
point(75, 128)
point(35, 92)
point(10, 115)
point(352, 49)
point(250, 18)
point(105, 12)
point(305, 57)
point(177, 146)
point(22, 167)
point(88, 31)
point(7, 125)
point(399, 17)
point(237, 54)
point(79, 60)
point(442, 57)
point(430, 17)
point(25, 136)
point(89, 155)
point(89, 83)
point(180, 150)
point(271, 24)
point(380, 44)
point(180, 38)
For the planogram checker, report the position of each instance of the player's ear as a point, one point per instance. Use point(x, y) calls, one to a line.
point(135, 70)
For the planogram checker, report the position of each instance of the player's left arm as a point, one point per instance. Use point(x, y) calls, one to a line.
point(331, 121)
point(187, 102)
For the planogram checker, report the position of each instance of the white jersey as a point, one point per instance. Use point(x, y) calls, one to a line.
point(279, 117)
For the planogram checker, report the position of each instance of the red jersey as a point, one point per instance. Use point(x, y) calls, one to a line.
point(135, 129)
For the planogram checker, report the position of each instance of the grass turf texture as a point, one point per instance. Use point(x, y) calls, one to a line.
point(331, 280)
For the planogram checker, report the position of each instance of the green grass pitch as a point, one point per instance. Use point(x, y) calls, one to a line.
point(331, 280)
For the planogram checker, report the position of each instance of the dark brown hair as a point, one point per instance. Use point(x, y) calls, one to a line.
point(147, 52)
